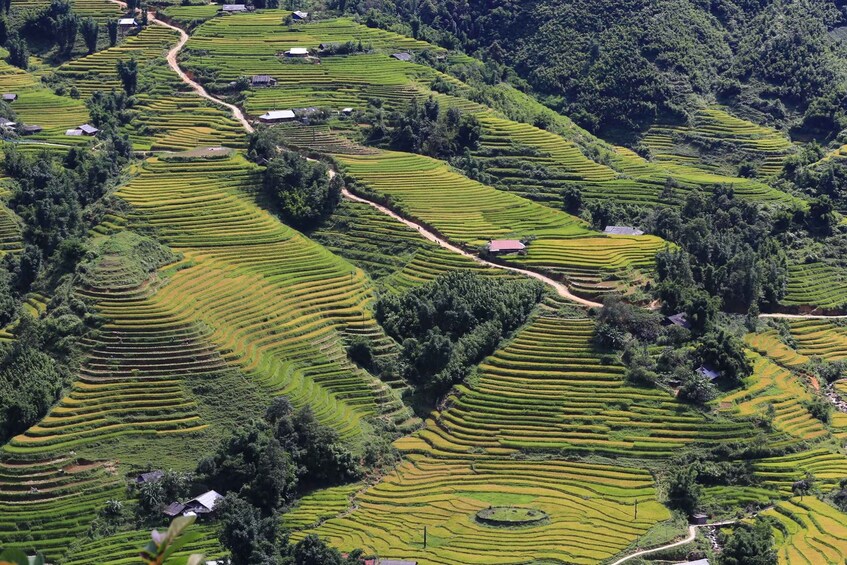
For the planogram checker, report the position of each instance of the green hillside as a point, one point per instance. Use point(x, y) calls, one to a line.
point(441, 282)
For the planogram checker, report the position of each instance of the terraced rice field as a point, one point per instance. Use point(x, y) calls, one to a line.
point(779, 473)
point(248, 44)
point(591, 509)
point(716, 126)
point(319, 506)
point(168, 116)
point(548, 390)
point(98, 9)
point(768, 344)
point(814, 532)
point(816, 284)
point(38, 105)
point(392, 254)
point(280, 321)
point(123, 548)
point(820, 338)
point(773, 385)
point(470, 213)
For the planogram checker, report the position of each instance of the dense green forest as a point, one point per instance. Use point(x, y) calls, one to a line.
point(617, 66)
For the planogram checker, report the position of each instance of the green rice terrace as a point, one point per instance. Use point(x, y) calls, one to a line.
point(354, 285)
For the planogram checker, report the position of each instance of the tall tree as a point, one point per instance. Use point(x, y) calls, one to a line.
point(128, 72)
point(112, 28)
point(90, 31)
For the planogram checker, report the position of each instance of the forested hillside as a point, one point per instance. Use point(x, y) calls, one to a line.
point(622, 65)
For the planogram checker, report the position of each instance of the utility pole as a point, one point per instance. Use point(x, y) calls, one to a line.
point(424, 537)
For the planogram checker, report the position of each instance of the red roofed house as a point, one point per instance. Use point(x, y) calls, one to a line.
point(498, 246)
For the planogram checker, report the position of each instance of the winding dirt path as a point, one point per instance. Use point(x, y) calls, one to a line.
point(560, 288)
point(692, 533)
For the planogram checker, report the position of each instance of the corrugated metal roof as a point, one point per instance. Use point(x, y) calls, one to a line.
point(623, 230)
point(278, 115)
point(505, 245)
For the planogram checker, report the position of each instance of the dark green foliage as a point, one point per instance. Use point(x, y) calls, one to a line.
point(128, 73)
point(428, 130)
point(819, 408)
point(112, 28)
point(572, 200)
point(18, 53)
point(696, 389)
point(727, 249)
point(4, 30)
point(30, 382)
point(109, 111)
point(55, 23)
point(90, 30)
point(311, 550)
point(448, 325)
point(750, 545)
point(618, 322)
point(623, 64)
point(683, 490)
point(302, 191)
point(266, 462)
point(243, 463)
point(250, 537)
point(153, 496)
point(724, 353)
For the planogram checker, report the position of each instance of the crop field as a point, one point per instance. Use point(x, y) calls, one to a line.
point(811, 532)
point(280, 321)
point(591, 508)
point(817, 284)
point(98, 9)
point(767, 343)
point(779, 473)
point(167, 115)
point(471, 213)
point(820, 338)
point(714, 126)
point(548, 390)
point(319, 506)
point(38, 105)
point(123, 548)
point(773, 385)
point(392, 254)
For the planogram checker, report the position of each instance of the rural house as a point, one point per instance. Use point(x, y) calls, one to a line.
point(173, 509)
point(203, 504)
point(402, 56)
point(622, 230)
point(262, 80)
point(707, 372)
point(10, 97)
point(30, 130)
point(500, 246)
point(233, 8)
point(297, 52)
point(698, 562)
point(680, 320)
point(275, 116)
point(150, 477)
point(699, 519)
point(299, 16)
point(127, 22)
point(84, 129)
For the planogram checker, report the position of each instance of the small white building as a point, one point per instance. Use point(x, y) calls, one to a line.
point(622, 230)
point(297, 52)
point(299, 16)
point(233, 8)
point(127, 22)
point(277, 116)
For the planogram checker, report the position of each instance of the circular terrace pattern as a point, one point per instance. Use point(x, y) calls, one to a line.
point(511, 516)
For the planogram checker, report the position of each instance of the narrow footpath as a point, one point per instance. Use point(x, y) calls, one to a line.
point(560, 288)
point(692, 533)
